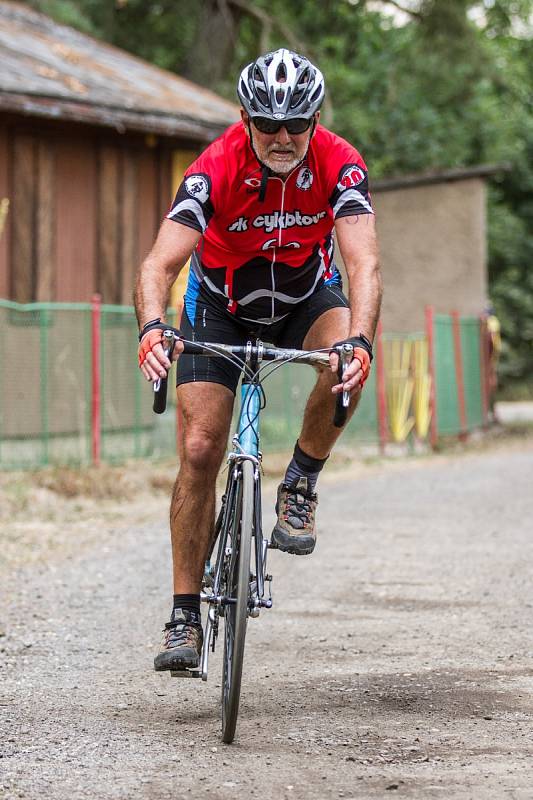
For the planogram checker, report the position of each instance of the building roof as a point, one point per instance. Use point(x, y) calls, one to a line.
point(50, 70)
point(442, 176)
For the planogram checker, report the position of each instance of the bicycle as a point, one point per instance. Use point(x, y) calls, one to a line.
point(234, 586)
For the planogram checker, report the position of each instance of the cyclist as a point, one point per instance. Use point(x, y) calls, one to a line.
point(256, 214)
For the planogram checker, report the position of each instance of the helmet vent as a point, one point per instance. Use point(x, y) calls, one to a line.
point(245, 90)
point(315, 94)
point(280, 96)
point(301, 88)
point(281, 73)
point(260, 86)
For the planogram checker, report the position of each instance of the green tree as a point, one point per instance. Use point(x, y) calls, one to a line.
point(443, 83)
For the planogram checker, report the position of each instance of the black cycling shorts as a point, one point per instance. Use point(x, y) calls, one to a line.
point(212, 323)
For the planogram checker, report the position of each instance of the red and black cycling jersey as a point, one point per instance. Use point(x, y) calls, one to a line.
point(260, 258)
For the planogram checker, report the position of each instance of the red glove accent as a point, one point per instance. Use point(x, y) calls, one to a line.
point(148, 342)
point(364, 358)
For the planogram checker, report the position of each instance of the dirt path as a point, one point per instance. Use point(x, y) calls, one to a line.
point(397, 660)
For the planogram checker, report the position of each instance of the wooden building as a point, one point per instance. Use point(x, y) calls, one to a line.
point(93, 142)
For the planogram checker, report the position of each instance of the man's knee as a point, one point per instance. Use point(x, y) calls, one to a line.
point(203, 451)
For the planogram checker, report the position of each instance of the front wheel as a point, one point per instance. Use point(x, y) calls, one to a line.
point(237, 587)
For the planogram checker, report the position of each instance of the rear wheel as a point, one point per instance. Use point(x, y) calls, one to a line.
point(237, 587)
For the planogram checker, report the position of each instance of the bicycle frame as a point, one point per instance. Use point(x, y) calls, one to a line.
point(245, 447)
point(248, 442)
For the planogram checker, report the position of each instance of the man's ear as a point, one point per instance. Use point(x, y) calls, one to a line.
point(245, 121)
point(315, 123)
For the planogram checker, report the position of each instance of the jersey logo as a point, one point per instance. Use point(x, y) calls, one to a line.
point(198, 187)
point(304, 181)
point(351, 176)
point(239, 225)
point(283, 220)
point(253, 185)
point(276, 221)
point(274, 243)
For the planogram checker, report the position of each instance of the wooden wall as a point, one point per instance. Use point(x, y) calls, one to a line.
point(84, 208)
point(5, 232)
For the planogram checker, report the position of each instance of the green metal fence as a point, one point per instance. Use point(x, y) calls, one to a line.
point(472, 372)
point(445, 377)
point(47, 382)
point(45, 385)
point(46, 391)
point(459, 378)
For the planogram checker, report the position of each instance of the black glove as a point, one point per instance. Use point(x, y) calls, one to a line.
point(146, 342)
point(357, 341)
point(156, 324)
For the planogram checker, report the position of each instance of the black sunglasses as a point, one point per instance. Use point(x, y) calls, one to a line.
point(292, 126)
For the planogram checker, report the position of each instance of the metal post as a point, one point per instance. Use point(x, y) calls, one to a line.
point(484, 369)
point(96, 378)
point(381, 390)
point(459, 375)
point(44, 386)
point(430, 333)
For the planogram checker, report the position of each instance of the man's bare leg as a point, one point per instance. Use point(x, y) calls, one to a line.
point(294, 531)
point(318, 433)
point(206, 411)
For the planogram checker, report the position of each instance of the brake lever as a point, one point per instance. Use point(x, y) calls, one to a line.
point(345, 354)
point(160, 385)
point(345, 359)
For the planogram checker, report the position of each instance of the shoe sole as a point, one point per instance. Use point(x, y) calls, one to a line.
point(287, 544)
point(176, 664)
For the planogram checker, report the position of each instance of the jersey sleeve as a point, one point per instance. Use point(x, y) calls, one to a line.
point(348, 185)
point(194, 202)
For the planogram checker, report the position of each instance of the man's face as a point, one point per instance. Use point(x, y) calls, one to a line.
point(281, 151)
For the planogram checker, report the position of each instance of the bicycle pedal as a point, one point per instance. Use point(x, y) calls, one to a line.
point(186, 673)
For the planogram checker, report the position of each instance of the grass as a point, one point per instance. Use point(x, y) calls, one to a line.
point(22, 493)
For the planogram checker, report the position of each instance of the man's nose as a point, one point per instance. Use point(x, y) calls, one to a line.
point(283, 136)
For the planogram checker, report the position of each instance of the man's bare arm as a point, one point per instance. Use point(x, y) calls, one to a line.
point(173, 247)
point(356, 237)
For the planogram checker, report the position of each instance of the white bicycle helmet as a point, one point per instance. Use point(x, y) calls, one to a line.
point(281, 85)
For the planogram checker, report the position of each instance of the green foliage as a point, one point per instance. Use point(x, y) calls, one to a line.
point(451, 86)
point(66, 11)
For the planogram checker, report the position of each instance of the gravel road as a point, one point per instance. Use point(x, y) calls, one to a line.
point(397, 660)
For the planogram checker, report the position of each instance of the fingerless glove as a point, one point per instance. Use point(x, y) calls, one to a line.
point(152, 334)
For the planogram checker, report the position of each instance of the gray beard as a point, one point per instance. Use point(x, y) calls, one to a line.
point(288, 165)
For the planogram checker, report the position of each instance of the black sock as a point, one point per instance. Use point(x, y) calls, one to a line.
point(304, 466)
point(188, 602)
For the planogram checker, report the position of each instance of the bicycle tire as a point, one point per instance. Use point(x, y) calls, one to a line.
point(236, 614)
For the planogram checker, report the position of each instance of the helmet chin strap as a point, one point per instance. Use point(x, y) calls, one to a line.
point(265, 170)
